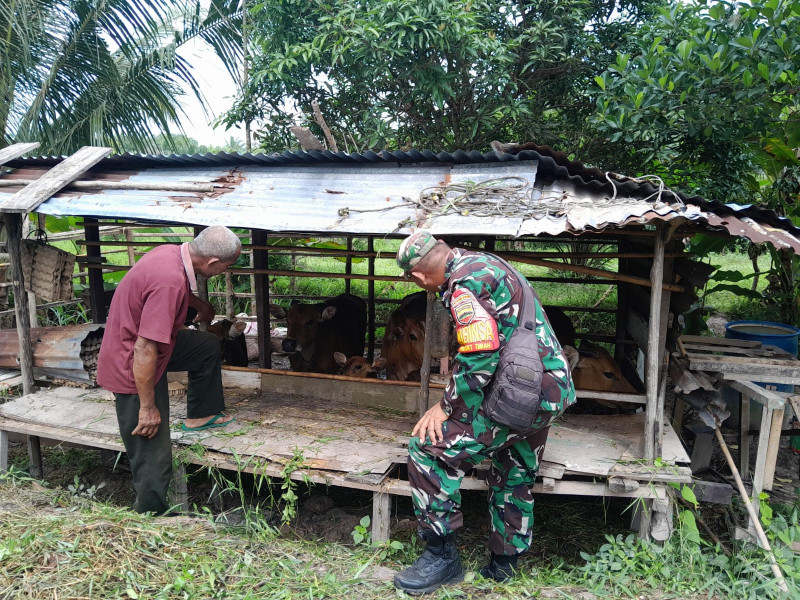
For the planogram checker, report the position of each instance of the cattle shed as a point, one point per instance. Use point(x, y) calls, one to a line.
point(528, 204)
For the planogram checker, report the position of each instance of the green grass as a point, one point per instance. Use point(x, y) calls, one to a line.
point(57, 543)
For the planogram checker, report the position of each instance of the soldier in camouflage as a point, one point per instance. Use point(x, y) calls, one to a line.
point(484, 299)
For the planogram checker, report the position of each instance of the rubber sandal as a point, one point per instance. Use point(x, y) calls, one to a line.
point(210, 424)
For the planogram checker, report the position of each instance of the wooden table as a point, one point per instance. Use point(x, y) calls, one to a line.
point(741, 365)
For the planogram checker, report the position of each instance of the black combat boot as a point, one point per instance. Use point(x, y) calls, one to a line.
point(500, 568)
point(438, 565)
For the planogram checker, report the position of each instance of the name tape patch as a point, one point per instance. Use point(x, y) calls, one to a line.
point(476, 331)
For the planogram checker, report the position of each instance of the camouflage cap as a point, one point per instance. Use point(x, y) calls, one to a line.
point(413, 248)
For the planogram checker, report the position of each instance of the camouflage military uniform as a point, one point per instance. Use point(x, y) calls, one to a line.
point(484, 300)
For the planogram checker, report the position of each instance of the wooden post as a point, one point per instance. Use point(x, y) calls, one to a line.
point(229, 297)
point(653, 366)
point(35, 467)
point(3, 451)
point(179, 491)
point(13, 244)
point(348, 265)
point(381, 513)
point(371, 302)
point(96, 292)
point(425, 371)
point(261, 291)
point(655, 350)
point(744, 434)
point(131, 249)
point(773, 447)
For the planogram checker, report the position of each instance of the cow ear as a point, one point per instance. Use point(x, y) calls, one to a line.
point(572, 356)
point(328, 313)
point(379, 363)
point(340, 358)
point(294, 301)
point(277, 311)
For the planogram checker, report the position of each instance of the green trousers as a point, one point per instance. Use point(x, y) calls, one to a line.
point(198, 353)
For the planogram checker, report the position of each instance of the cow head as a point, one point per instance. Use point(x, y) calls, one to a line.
point(593, 368)
point(302, 322)
point(403, 347)
point(232, 343)
point(355, 366)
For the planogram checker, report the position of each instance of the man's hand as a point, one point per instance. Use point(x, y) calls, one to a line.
point(430, 425)
point(149, 421)
point(205, 311)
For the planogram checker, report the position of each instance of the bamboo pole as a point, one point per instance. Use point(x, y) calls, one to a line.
point(762, 538)
point(122, 185)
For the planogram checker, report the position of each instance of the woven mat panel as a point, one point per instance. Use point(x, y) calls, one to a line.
point(47, 271)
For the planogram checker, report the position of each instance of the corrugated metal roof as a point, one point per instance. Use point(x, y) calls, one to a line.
point(322, 191)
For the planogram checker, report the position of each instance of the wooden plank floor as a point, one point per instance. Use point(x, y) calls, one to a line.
point(354, 440)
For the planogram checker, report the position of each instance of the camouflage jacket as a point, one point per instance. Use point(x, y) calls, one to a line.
point(484, 300)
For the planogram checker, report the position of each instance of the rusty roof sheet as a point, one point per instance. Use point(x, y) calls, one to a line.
point(326, 192)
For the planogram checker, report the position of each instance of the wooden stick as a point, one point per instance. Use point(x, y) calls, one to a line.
point(762, 538)
point(321, 122)
point(437, 386)
point(705, 526)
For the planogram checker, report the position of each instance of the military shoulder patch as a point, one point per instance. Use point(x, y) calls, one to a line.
point(476, 330)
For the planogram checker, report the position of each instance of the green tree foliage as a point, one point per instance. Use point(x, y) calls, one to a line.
point(76, 72)
point(710, 101)
point(431, 74)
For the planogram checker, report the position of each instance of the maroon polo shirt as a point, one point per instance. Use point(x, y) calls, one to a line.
point(151, 301)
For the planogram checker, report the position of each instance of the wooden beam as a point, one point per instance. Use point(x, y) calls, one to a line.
point(13, 151)
point(595, 272)
point(29, 198)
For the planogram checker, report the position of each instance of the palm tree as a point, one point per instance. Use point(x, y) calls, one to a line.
point(104, 72)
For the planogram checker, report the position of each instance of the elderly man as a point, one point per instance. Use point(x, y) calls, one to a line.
point(485, 298)
point(144, 338)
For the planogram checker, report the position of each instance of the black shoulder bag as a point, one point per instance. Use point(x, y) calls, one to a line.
point(514, 394)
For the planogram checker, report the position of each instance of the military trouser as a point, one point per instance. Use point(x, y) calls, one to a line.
point(435, 471)
point(198, 353)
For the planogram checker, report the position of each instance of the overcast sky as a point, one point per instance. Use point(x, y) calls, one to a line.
point(219, 90)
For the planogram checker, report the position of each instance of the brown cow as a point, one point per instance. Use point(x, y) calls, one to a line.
point(355, 366)
point(593, 368)
point(404, 340)
point(316, 331)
